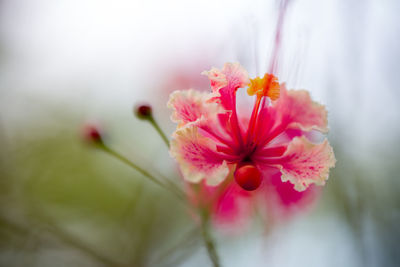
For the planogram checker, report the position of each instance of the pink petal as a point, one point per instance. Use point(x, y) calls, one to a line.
point(236, 75)
point(230, 206)
point(233, 75)
point(297, 109)
point(233, 205)
point(191, 105)
point(217, 78)
point(287, 196)
point(293, 110)
point(225, 83)
point(279, 200)
point(197, 156)
point(305, 163)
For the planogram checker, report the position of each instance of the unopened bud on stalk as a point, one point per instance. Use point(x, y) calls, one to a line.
point(143, 112)
point(92, 134)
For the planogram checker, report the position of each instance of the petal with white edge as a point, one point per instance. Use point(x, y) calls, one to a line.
point(305, 163)
point(298, 110)
point(217, 78)
point(197, 156)
point(232, 76)
point(191, 105)
point(225, 82)
point(236, 75)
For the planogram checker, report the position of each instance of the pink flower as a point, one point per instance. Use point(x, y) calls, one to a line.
point(212, 139)
point(271, 150)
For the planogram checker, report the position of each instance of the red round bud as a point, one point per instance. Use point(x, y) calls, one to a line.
point(144, 112)
point(248, 177)
point(92, 134)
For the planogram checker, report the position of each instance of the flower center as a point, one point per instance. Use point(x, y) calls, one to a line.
point(268, 86)
point(247, 176)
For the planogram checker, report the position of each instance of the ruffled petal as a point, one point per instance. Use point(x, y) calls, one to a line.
point(297, 110)
point(194, 107)
point(197, 156)
point(293, 110)
point(236, 75)
point(225, 82)
point(217, 78)
point(287, 196)
point(191, 105)
point(305, 163)
point(232, 75)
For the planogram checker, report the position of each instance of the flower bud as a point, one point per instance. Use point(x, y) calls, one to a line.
point(144, 112)
point(248, 176)
point(92, 134)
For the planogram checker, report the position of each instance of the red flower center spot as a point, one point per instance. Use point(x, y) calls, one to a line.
point(248, 177)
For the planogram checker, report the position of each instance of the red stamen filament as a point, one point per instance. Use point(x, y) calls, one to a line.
point(254, 114)
point(235, 124)
point(253, 119)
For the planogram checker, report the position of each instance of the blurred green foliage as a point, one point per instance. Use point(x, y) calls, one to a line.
point(364, 194)
point(57, 191)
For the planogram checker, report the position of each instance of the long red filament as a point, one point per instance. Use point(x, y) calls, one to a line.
point(254, 114)
point(235, 123)
point(253, 118)
point(277, 43)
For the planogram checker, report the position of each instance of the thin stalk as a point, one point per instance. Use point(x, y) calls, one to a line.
point(166, 141)
point(208, 240)
point(176, 191)
point(159, 131)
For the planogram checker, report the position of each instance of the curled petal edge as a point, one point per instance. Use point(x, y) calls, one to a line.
point(322, 151)
point(213, 172)
point(314, 117)
point(190, 105)
point(232, 75)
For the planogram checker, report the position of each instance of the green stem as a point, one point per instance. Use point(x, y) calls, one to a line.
point(173, 189)
point(159, 131)
point(208, 240)
point(205, 219)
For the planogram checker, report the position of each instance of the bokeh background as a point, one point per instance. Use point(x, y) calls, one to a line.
point(67, 62)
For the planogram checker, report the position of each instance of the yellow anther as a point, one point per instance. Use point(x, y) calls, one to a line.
point(266, 86)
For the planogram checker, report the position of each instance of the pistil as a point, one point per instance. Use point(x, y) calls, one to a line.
point(248, 176)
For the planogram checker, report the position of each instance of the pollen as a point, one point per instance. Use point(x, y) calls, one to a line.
point(266, 86)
